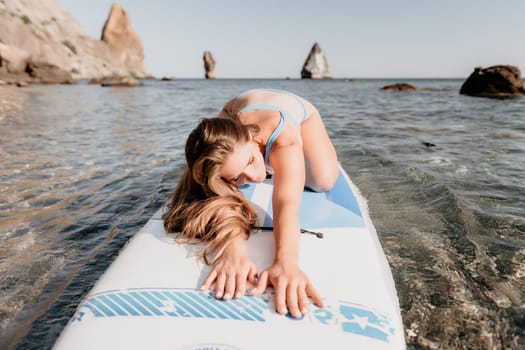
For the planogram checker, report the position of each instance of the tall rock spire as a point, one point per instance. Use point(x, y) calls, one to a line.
point(209, 65)
point(316, 65)
point(127, 50)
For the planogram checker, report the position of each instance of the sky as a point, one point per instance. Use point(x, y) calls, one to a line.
point(361, 39)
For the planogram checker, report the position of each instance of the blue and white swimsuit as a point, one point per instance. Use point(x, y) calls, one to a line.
point(285, 115)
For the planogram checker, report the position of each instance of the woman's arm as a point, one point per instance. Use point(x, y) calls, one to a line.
point(291, 285)
point(289, 180)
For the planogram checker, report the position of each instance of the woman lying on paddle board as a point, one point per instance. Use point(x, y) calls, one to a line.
point(257, 132)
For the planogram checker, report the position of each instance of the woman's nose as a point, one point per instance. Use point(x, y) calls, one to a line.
point(250, 176)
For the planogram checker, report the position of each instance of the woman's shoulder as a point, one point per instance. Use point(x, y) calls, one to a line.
point(227, 109)
point(289, 135)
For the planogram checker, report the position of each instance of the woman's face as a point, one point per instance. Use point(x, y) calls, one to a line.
point(244, 164)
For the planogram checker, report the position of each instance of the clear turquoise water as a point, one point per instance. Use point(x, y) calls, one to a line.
point(83, 167)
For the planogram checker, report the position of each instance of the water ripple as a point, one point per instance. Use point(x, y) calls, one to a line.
point(83, 168)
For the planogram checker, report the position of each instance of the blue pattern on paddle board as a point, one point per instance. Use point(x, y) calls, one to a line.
point(335, 208)
point(343, 195)
point(188, 303)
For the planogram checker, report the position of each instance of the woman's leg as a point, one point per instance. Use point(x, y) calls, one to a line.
point(322, 167)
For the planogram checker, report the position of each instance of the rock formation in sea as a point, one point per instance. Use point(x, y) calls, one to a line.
point(46, 73)
point(495, 81)
point(43, 33)
point(399, 87)
point(316, 65)
point(121, 81)
point(209, 65)
point(125, 46)
point(17, 67)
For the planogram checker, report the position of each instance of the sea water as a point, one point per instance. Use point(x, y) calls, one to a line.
point(83, 167)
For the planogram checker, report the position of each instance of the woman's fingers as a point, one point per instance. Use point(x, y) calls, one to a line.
point(230, 286)
point(219, 285)
point(252, 275)
point(302, 300)
point(209, 280)
point(262, 283)
point(312, 293)
point(292, 300)
point(291, 295)
point(240, 287)
point(280, 296)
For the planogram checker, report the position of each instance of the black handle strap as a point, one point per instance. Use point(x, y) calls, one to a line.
point(304, 231)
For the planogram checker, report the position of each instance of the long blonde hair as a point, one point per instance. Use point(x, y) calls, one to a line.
point(204, 207)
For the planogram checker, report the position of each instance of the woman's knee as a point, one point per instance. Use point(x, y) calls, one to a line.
point(323, 180)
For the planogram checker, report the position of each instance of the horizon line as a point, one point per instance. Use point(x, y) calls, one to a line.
point(290, 78)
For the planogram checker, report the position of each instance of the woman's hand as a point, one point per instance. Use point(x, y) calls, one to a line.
point(292, 288)
point(231, 272)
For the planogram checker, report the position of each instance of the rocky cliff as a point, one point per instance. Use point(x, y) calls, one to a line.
point(45, 32)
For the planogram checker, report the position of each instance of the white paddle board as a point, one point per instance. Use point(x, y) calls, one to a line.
point(150, 298)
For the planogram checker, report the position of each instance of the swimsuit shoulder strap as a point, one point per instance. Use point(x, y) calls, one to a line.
point(275, 134)
point(277, 131)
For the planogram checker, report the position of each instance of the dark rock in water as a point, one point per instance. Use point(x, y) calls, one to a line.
point(46, 73)
point(127, 81)
point(399, 87)
point(495, 81)
point(168, 79)
point(316, 65)
point(209, 65)
point(428, 144)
